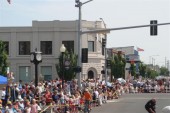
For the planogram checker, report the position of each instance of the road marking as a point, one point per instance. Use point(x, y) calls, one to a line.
point(109, 101)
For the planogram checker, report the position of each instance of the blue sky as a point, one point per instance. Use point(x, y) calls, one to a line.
point(115, 13)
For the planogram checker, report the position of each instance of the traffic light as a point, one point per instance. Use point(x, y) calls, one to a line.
point(108, 62)
point(153, 28)
point(102, 72)
point(84, 58)
point(77, 69)
point(103, 42)
point(77, 3)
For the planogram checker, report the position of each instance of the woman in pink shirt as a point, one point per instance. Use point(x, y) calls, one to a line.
point(34, 107)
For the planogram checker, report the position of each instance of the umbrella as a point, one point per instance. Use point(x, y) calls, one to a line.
point(166, 109)
point(3, 80)
point(121, 80)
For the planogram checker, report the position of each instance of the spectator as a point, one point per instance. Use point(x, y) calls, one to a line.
point(3, 96)
point(34, 106)
point(10, 108)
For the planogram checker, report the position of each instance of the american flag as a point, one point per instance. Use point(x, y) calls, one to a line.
point(139, 49)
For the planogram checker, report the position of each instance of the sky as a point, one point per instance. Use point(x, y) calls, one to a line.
point(115, 13)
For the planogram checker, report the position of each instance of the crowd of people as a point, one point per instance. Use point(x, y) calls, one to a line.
point(51, 95)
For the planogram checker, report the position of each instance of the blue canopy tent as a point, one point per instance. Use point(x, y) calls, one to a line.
point(3, 80)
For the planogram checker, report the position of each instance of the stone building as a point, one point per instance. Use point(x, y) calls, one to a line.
point(47, 37)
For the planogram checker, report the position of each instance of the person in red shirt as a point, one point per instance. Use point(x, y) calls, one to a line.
point(88, 98)
point(48, 97)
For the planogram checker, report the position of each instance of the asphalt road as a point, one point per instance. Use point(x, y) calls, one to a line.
point(134, 103)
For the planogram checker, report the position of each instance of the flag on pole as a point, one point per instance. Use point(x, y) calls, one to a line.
point(140, 49)
point(9, 1)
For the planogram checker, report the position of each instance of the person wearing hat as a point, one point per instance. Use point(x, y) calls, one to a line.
point(10, 107)
point(21, 104)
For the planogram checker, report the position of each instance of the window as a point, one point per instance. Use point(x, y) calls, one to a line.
point(69, 45)
point(24, 47)
point(46, 72)
point(6, 47)
point(46, 47)
point(24, 74)
point(91, 46)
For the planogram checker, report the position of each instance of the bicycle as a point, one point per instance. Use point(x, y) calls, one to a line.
point(87, 107)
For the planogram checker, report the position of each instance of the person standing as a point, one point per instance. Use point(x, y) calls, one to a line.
point(150, 106)
point(3, 96)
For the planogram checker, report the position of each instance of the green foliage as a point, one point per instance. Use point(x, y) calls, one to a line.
point(151, 73)
point(118, 66)
point(142, 69)
point(3, 59)
point(69, 74)
point(164, 71)
point(133, 70)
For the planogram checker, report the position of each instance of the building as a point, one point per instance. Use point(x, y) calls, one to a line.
point(47, 37)
point(130, 54)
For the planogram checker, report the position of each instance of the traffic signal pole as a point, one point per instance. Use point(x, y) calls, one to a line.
point(79, 5)
point(105, 30)
point(121, 28)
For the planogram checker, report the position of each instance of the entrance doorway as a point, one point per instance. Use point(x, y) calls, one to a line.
point(90, 74)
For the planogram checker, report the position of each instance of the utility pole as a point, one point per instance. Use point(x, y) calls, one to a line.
point(165, 62)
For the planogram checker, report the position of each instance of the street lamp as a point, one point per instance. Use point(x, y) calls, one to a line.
point(36, 58)
point(62, 50)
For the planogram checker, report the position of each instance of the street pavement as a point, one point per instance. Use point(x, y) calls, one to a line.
point(133, 103)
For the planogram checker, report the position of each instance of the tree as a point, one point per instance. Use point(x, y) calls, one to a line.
point(118, 66)
point(69, 73)
point(151, 73)
point(133, 69)
point(3, 59)
point(164, 71)
point(142, 69)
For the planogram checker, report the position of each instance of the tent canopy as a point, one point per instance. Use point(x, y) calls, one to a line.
point(3, 80)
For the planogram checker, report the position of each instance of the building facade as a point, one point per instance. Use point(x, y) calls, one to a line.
point(47, 37)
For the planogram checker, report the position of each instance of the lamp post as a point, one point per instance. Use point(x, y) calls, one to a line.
point(62, 50)
point(36, 58)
